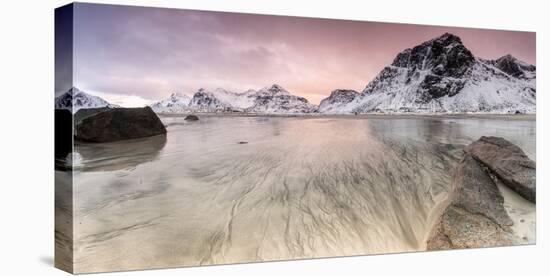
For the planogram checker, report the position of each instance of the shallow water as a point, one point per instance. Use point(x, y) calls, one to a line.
point(243, 189)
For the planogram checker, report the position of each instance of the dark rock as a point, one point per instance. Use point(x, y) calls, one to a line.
point(507, 162)
point(119, 124)
point(444, 55)
point(191, 118)
point(475, 216)
point(63, 133)
point(445, 58)
point(434, 87)
point(87, 112)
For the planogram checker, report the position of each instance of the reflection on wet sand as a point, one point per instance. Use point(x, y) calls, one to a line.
point(299, 188)
point(113, 156)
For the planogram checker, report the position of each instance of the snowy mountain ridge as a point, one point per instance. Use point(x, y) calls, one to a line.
point(437, 76)
point(272, 99)
point(177, 102)
point(75, 99)
point(442, 76)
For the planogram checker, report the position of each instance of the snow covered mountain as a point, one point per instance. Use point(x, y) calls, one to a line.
point(176, 103)
point(337, 100)
point(75, 99)
point(276, 99)
point(273, 99)
point(442, 75)
point(208, 101)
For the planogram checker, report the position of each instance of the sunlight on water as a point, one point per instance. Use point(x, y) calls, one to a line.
point(242, 189)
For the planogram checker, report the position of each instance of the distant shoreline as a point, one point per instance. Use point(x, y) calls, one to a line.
point(364, 116)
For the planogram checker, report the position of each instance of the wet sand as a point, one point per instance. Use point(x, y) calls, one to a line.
point(298, 188)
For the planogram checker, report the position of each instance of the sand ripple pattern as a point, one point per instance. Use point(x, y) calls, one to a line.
point(300, 188)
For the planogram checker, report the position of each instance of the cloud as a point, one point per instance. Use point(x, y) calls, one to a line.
point(150, 53)
point(122, 99)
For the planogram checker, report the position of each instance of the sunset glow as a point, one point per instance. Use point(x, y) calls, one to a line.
point(140, 55)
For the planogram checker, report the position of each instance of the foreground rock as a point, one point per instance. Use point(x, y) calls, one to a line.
point(191, 118)
point(119, 124)
point(476, 216)
point(508, 162)
point(83, 113)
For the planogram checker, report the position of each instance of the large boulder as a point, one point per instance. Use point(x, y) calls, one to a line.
point(507, 162)
point(119, 124)
point(191, 118)
point(475, 216)
point(83, 113)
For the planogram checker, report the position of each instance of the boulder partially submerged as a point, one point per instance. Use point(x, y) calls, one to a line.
point(475, 215)
point(191, 118)
point(508, 162)
point(119, 124)
point(83, 113)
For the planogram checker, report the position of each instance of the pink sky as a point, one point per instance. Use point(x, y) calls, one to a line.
point(133, 55)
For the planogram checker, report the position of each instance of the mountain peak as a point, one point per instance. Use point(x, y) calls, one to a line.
point(446, 39)
point(73, 91)
point(276, 87)
point(273, 89)
point(75, 99)
point(343, 91)
point(507, 57)
point(442, 56)
point(514, 67)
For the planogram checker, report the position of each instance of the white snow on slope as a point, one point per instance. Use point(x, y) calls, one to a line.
point(74, 99)
point(176, 103)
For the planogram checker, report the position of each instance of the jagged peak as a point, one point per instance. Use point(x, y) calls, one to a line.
point(73, 91)
point(511, 58)
point(443, 55)
point(343, 91)
point(514, 67)
point(446, 39)
point(507, 57)
point(276, 87)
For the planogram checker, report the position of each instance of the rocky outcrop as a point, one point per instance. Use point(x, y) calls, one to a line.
point(475, 215)
point(119, 124)
point(508, 162)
